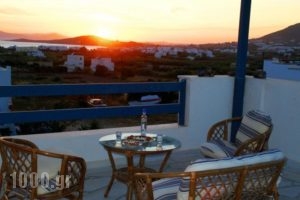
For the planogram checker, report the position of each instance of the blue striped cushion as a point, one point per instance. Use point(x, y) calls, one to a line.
point(203, 165)
point(214, 187)
point(253, 123)
point(264, 156)
point(212, 164)
point(166, 189)
point(217, 149)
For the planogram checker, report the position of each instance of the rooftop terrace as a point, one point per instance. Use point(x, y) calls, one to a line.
point(207, 100)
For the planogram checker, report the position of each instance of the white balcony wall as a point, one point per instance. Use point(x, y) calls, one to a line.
point(5, 80)
point(280, 98)
point(208, 99)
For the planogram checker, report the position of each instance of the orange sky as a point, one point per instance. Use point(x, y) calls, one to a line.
point(175, 21)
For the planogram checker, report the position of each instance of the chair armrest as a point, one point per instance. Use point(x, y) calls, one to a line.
point(220, 130)
point(25, 143)
point(255, 144)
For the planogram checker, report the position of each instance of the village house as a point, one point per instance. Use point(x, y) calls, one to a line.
point(74, 62)
point(102, 62)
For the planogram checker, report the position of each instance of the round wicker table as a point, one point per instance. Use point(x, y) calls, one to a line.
point(130, 150)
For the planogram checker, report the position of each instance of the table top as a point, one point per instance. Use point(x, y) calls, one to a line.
point(168, 143)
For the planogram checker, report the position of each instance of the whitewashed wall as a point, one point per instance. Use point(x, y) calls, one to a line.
point(280, 98)
point(5, 80)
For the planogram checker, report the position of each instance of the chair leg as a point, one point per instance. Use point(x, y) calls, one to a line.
point(275, 194)
point(4, 197)
point(129, 191)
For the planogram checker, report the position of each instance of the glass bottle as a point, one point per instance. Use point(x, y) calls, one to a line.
point(144, 119)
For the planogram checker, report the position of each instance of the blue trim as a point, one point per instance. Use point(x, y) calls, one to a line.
point(239, 84)
point(95, 112)
point(87, 89)
point(84, 113)
point(182, 94)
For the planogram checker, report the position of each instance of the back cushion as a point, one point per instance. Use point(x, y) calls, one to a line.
point(203, 165)
point(253, 123)
point(211, 164)
point(47, 169)
point(165, 189)
point(261, 157)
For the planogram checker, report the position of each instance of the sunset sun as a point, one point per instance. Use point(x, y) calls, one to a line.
point(105, 33)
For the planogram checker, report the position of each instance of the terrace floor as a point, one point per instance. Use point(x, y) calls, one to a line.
point(98, 178)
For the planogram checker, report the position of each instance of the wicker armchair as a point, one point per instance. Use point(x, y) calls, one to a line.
point(30, 173)
point(252, 136)
point(256, 178)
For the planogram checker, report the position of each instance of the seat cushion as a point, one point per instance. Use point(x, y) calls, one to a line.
point(253, 123)
point(217, 149)
point(48, 169)
point(166, 189)
point(49, 185)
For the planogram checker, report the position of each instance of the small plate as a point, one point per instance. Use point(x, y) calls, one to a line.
point(136, 140)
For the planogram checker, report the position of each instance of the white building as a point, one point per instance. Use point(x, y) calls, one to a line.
point(160, 54)
point(103, 62)
point(74, 62)
point(37, 53)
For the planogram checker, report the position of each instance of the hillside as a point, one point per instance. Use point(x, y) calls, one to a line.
point(289, 35)
point(87, 40)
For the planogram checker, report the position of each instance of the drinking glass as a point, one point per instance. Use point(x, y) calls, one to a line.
point(118, 137)
point(159, 141)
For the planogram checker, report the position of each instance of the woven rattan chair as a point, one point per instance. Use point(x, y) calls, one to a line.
point(246, 181)
point(252, 136)
point(30, 173)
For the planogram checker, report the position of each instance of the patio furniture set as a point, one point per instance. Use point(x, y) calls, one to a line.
point(242, 169)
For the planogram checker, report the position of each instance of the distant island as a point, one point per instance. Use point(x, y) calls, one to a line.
point(90, 40)
point(289, 35)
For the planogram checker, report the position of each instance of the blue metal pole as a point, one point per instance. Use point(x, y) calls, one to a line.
point(242, 49)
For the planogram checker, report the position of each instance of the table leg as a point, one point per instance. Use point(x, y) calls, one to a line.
point(130, 168)
point(114, 171)
point(164, 162)
point(126, 174)
point(142, 161)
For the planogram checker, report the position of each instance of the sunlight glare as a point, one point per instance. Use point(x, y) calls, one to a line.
point(104, 33)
